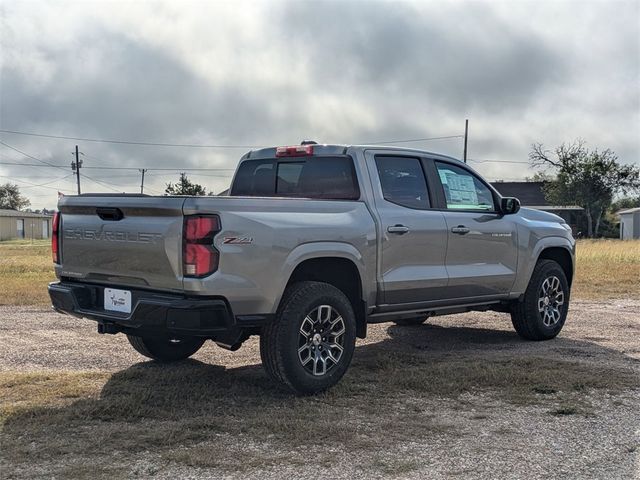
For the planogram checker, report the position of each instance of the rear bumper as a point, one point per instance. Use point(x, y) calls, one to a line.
point(155, 313)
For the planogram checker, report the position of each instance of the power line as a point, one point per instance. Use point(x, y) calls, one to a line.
point(498, 161)
point(221, 175)
point(411, 140)
point(41, 185)
point(31, 165)
point(214, 169)
point(59, 179)
point(128, 142)
point(29, 156)
point(104, 184)
point(197, 145)
point(122, 168)
point(165, 169)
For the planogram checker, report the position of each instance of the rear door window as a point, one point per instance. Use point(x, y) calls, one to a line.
point(403, 182)
point(312, 177)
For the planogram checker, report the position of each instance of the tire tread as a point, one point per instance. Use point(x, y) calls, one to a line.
point(524, 314)
point(274, 333)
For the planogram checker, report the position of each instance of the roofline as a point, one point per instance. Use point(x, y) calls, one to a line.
point(19, 214)
point(345, 147)
point(628, 210)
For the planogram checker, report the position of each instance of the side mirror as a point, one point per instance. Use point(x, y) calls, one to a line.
point(509, 205)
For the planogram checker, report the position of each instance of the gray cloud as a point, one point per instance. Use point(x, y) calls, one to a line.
point(457, 64)
point(335, 72)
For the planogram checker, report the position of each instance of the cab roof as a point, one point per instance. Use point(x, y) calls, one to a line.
point(336, 149)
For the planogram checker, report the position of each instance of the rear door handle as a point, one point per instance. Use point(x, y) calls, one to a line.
point(399, 229)
point(460, 230)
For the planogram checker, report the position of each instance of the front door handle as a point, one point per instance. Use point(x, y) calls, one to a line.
point(460, 230)
point(399, 229)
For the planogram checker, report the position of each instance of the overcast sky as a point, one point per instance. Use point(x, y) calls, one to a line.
point(271, 73)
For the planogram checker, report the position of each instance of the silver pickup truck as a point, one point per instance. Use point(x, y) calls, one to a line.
point(311, 244)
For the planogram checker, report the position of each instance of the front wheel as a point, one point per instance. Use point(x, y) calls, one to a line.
point(309, 344)
point(543, 311)
point(165, 348)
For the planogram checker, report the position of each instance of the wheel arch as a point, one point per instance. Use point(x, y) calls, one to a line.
point(561, 256)
point(336, 268)
point(559, 249)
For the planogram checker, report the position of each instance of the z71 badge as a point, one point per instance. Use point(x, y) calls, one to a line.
point(237, 240)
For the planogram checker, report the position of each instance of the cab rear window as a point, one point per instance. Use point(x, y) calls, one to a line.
point(330, 178)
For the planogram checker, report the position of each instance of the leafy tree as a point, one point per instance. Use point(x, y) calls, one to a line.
point(625, 202)
point(589, 179)
point(184, 186)
point(10, 197)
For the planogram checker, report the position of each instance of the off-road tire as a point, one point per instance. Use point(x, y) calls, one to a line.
point(164, 348)
point(527, 320)
point(280, 337)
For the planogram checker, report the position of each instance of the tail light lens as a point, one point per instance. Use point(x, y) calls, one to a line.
point(294, 151)
point(55, 238)
point(199, 257)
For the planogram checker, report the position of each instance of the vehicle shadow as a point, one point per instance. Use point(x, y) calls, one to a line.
point(166, 406)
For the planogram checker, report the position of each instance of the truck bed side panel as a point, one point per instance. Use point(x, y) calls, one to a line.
point(255, 268)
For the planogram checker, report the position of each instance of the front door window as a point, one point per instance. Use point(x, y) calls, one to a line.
point(463, 190)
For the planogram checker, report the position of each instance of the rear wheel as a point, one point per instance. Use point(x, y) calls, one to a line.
point(543, 311)
point(308, 346)
point(165, 348)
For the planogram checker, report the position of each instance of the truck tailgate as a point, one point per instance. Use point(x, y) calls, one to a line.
point(122, 240)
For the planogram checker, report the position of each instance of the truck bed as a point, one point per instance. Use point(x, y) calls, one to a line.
point(258, 241)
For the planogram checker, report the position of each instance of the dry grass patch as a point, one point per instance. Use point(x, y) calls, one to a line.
point(201, 415)
point(25, 270)
point(607, 269)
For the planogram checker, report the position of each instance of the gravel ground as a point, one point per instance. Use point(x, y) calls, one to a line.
point(489, 438)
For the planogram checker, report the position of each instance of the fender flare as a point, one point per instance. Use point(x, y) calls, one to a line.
point(541, 245)
point(313, 250)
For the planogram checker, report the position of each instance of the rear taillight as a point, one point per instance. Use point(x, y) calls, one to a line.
point(294, 151)
point(199, 257)
point(55, 238)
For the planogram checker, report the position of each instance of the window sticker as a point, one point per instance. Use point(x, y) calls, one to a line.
point(462, 190)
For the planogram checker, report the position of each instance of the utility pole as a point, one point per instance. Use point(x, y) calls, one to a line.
point(75, 166)
point(466, 135)
point(142, 170)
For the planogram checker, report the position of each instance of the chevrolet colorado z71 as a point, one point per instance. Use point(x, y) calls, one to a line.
point(312, 243)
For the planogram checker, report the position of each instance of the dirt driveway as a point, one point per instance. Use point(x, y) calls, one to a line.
point(461, 397)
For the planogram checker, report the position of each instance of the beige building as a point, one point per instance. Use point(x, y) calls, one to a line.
point(15, 224)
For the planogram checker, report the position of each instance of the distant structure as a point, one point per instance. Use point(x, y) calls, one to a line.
point(16, 224)
point(531, 195)
point(629, 223)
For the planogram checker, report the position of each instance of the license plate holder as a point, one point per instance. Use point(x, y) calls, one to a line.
point(116, 300)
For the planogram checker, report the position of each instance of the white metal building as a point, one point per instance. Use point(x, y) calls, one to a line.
point(629, 223)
